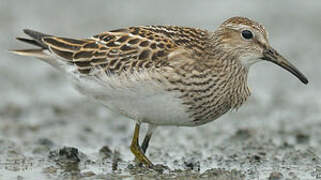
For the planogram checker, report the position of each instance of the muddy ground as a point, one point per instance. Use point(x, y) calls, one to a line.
point(49, 131)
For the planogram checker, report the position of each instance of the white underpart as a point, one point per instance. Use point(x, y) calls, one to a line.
point(138, 98)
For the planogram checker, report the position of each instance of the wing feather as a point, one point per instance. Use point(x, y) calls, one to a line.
point(122, 50)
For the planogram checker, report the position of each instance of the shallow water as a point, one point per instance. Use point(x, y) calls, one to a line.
point(49, 131)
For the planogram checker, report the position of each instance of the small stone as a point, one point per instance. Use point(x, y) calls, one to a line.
point(193, 165)
point(50, 170)
point(66, 154)
point(88, 174)
point(116, 160)
point(243, 134)
point(160, 168)
point(255, 158)
point(302, 138)
point(130, 166)
point(105, 152)
point(69, 153)
point(276, 176)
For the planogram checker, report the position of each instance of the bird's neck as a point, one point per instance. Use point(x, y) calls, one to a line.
point(234, 75)
point(237, 80)
point(239, 91)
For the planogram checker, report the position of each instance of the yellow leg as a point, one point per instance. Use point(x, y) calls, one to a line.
point(137, 151)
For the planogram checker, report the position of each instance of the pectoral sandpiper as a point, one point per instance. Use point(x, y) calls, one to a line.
point(162, 75)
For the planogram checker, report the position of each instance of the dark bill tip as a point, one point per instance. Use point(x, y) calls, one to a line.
point(273, 56)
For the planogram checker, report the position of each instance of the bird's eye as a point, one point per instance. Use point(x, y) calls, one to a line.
point(246, 34)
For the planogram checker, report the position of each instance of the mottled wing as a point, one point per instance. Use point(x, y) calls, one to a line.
point(126, 50)
point(111, 52)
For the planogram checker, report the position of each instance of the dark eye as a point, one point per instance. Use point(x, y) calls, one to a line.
point(247, 34)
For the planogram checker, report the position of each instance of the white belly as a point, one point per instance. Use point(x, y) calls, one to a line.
point(141, 100)
point(138, 98)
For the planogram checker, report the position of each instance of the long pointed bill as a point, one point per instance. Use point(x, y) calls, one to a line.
point(272, 55)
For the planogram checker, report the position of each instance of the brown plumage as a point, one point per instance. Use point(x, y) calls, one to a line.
point(163, 75)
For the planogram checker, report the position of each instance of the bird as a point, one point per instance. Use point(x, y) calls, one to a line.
point(162, 75)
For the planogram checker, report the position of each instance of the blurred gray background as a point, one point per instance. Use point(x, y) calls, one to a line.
point(281, 123)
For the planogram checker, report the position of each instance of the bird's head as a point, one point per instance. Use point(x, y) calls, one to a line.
point(248, 40)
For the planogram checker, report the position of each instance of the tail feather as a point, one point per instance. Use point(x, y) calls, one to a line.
point(33, 42)
point(36, 38)
point(35, 34)
point(39, 53)
point(50, 47)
